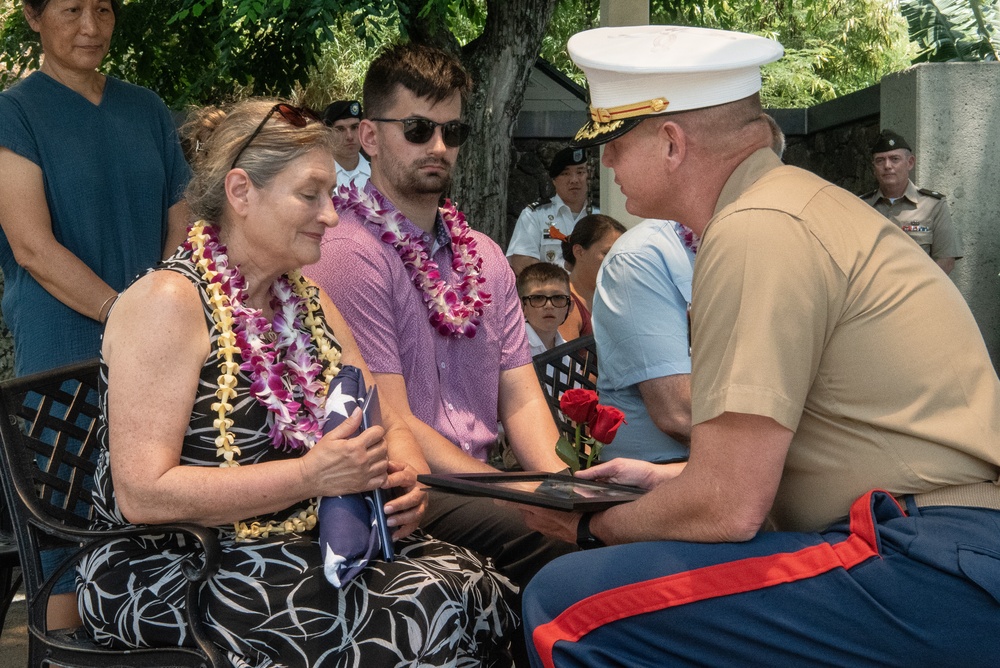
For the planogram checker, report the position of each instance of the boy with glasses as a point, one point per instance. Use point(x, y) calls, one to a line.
point(433, 305)
point(544, 292)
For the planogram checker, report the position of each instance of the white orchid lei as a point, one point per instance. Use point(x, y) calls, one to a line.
point(284, 377)
point(455, 308)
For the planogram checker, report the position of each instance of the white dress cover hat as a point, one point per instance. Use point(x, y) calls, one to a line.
point(639, 71)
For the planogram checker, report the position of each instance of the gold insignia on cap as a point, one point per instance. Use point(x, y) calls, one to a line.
point(606, 115)
point(592, 130)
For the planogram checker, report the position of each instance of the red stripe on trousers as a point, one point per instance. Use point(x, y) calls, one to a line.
point(734, 577)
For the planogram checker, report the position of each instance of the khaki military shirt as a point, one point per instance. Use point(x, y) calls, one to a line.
point(922, 214)
point(811, 309)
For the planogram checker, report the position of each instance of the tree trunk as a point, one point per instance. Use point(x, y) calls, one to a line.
point(500, 62)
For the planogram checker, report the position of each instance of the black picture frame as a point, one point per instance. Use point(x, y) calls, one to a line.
point(558, 491)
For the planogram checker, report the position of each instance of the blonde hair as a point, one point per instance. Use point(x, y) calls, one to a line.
point(276, 145)
point(196, 130)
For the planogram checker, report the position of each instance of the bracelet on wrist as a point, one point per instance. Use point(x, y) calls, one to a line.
point(102, 315)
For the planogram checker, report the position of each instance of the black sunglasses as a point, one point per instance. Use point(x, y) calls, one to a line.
point(538, 301)
point(420, 130)
point(295, 116)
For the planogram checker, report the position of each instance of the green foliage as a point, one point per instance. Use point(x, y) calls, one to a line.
point(364, 27)
point(367, 13)
point(832, 47)
point(953, 30)
point(464, 18)
point(21, 50)
point(340, 69)
point(449, 24)
point(467, 25)
point(569, 17)
point(198, 51)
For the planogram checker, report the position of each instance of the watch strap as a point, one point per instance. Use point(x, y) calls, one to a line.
point(584, 538)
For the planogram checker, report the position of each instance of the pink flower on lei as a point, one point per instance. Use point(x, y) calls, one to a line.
point(285, 376)
point(455, 307)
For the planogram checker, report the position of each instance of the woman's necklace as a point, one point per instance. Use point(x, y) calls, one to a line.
point(285, 378)
point(455, 307)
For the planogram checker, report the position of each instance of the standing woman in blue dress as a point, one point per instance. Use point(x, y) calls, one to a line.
point(91, 194)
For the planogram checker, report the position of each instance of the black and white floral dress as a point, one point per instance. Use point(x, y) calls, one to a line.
point(270, 604)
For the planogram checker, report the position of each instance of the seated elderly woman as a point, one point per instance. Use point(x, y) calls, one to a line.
point(215, 366)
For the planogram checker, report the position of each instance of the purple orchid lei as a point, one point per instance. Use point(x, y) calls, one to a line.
point(687, 236)
point(285, 377)
point(456, 308)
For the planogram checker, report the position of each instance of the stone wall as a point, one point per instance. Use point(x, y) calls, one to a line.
point(947, 112)
point(840, 154)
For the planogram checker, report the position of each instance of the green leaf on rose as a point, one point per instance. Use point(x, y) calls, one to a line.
point(568, 454)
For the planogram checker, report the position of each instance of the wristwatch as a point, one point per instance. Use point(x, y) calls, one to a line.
point(584, 539)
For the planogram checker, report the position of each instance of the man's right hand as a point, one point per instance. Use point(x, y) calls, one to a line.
point(634, 472)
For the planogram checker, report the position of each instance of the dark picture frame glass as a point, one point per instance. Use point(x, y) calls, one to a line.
point(558, 491)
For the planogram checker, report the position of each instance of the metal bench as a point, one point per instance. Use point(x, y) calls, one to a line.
point(49, 438)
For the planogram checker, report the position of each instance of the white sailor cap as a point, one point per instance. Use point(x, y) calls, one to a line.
point(639, 71)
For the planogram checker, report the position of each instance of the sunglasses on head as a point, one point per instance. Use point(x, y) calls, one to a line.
point(420, 130)
point(295, 116)
point(538, 301)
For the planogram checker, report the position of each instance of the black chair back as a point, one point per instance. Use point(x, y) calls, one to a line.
point(570, 365)
point(47, 466)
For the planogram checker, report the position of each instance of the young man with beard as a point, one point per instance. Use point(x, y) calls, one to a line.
point(878, 462)
point(433, 304)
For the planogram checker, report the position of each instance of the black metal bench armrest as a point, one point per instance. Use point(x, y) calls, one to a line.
point(94, 538)
point(195, 570)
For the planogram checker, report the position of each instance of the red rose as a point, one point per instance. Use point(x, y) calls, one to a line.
point(579, 405)
point(604, 425)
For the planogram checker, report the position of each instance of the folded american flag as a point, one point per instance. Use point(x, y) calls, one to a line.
point(347, 535)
